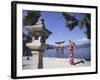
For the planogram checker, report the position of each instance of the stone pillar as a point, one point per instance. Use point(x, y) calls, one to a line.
point(37, 59)
point(40, 63)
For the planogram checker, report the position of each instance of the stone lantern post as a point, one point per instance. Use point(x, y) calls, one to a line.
point(37, 46)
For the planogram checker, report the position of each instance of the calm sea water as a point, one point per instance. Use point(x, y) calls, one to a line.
point(84, 52)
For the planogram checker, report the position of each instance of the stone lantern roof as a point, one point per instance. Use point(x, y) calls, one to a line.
point(39, 29)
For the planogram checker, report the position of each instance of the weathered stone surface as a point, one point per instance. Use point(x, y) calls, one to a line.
point(38, 45)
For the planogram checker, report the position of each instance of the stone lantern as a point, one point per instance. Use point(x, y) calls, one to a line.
point(37, 46)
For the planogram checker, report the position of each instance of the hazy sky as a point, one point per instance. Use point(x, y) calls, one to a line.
point(55, 22)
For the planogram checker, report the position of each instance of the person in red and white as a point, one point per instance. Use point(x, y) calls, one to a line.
point(72, 47)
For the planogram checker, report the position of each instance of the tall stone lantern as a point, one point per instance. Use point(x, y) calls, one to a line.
point(37, 46)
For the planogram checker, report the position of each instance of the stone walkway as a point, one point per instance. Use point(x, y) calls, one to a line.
point(56, 63)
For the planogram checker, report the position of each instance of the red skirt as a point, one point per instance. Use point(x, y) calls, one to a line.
point(71, 57)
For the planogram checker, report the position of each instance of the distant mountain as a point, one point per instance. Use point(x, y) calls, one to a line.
point(50, 46)
point(84, 45)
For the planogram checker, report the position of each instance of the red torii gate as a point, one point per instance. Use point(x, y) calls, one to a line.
point(59, 46)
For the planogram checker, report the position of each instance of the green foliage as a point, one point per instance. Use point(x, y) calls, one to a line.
point(72, 22)
point(30, 18)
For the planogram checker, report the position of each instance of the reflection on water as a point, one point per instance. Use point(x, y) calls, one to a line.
point(83, 52)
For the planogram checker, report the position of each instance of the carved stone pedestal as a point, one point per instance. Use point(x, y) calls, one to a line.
point(37, 59)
